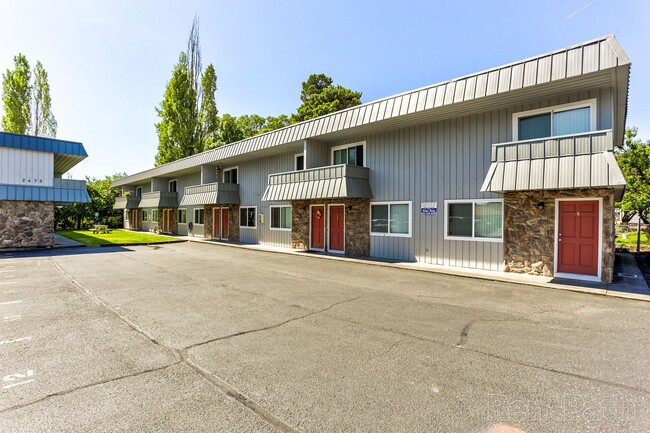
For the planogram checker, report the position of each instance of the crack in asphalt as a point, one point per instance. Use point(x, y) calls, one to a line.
point(266, 328)
point(182, 358)
point(90, 385)
point(491, 355)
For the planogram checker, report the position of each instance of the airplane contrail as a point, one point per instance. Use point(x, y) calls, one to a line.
point(581, 9)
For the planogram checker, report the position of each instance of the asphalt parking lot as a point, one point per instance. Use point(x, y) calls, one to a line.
point(195, 337)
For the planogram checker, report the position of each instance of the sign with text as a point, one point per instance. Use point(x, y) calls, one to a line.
point(429, 207)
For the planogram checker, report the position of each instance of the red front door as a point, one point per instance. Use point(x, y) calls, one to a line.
point(578, 237)
point(318, 227)
point(337, 228)
point(216, 223)
point(224, 223)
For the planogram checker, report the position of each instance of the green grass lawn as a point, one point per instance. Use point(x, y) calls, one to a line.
point(630, 241)
point(116, 237)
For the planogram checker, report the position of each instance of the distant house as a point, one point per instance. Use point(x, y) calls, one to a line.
point(509, 169)
point(31, 186)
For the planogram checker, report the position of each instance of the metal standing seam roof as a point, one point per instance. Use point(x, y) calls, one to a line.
point(582, 59)
point(568, 162)
point(67, 154)
point(63, 192)
point(126, 202)
point(338, 181)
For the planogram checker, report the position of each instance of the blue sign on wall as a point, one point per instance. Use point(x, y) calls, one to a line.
point(429, 207)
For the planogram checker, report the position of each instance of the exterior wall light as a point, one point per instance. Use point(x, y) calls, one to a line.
point(540, 205)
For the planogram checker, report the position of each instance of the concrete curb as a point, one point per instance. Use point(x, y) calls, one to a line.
point(135, 244)
point(465, 273)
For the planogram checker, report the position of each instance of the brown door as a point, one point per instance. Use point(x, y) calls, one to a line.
point(337, 228)
point(317, 227)
point(135, 224)
point(578, 237)
point(167, 220)
point(224, 223)
point(216, 223)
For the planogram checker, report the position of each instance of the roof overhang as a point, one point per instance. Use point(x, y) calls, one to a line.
point(67, 154)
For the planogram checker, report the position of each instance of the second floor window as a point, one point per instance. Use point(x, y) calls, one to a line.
point(138, 191)
point(352, 154)
point(173, 186)
point(230, 175)
point(574, 118)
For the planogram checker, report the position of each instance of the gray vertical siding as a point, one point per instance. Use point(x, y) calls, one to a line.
point(183, 181)
point(442, 161)
point(253, 179)
point(316, 154)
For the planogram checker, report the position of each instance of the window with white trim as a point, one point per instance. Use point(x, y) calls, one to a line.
point(299, 162)
point(390, 219)
point(126, 215)
point(247, 217)
point(230, 175)
point(145, 215)
point(173, 185)
point(478, 220)
point(182, 216)
point(565, 119)
point(154, 215)
point(138, 191)
point(199, 215)
point(352, 154)
point(280, 217)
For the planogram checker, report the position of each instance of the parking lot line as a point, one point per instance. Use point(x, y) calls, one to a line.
point(8, 282)
point(10, 302)
point(12, 318)
point(17, 384)
point(15, 340)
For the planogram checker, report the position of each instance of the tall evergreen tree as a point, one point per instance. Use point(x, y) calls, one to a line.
point(43, 121)
point(320, 96)
point(16, 96)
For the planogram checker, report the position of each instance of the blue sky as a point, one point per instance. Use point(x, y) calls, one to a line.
point(109, 61)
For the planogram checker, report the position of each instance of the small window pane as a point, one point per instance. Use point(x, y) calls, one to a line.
point(460, 219)
point(275, 217)
point(399, 218)
point(352, 156)
point(286, 218)
point(300, 162)
point(572, 121)
point(341, 156)
point(360, 156)
point(242, 216)
point(251, 217)
point(488, 220)
point(535, 126)
point(379, 217)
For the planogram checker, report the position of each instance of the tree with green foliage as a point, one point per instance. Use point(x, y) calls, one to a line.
point(16, 97)
point(229, 130)
point(320, 96)
point(208, 115)
point(82, 215)
point(634, 159)
point(272, 123)
point(187, 111)
point(179, 117)
point(43, 121)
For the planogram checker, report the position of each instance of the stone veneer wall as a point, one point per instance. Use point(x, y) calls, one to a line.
point(529, 234)
point(357, 224)
point(233, 222)
point(174, 219)
point(26, 224)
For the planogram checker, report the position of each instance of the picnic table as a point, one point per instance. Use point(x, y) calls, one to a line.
point(100, 228)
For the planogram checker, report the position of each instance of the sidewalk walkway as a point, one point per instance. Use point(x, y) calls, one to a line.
point(628, 281)
point(63, 242)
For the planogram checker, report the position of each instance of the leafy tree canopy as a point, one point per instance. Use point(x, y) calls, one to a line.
point(634, 159)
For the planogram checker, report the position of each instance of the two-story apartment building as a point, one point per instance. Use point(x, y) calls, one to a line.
point(31, 185)
point(509, 169)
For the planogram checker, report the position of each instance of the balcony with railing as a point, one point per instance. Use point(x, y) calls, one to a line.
point(335, 181)
point(129, 202)
point(159, 199)
point(210, 194)
point(584, 160)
